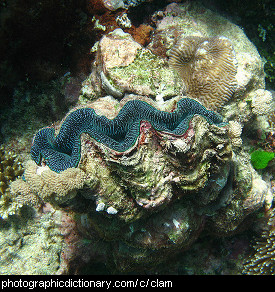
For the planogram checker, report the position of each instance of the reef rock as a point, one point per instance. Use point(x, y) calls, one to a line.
point(124, 66)
point(191, 19)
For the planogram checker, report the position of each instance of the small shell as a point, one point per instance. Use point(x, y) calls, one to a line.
point(100, 207)
point(111, 210)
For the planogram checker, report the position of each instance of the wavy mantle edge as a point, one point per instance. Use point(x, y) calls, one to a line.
point(120, 133)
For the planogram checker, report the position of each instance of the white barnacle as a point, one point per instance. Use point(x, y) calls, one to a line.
point(181, 145)
point(100, 207)
point(111, 210)
point(176, 223)
point(40, 169)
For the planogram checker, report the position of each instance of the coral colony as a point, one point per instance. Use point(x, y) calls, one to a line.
point(207, 66)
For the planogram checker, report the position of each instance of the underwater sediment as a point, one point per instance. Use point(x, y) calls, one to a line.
point(151, 158)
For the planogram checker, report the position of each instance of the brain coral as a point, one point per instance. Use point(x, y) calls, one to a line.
point(207, 66)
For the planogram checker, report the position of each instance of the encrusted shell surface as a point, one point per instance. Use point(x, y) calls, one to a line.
point(147, 175)
point(161, 170)
point(157, 194)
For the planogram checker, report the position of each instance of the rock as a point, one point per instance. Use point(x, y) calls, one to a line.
point(31, 245)
point(125, 66)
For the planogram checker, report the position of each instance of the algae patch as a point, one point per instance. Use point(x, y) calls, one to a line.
point(147, 71)
point(261, 158)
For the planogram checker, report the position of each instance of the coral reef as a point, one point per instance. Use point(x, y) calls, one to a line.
point(137, 173)
point(207, 66)
point(30, 244)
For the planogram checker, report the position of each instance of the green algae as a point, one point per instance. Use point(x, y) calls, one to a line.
point(261, 158)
